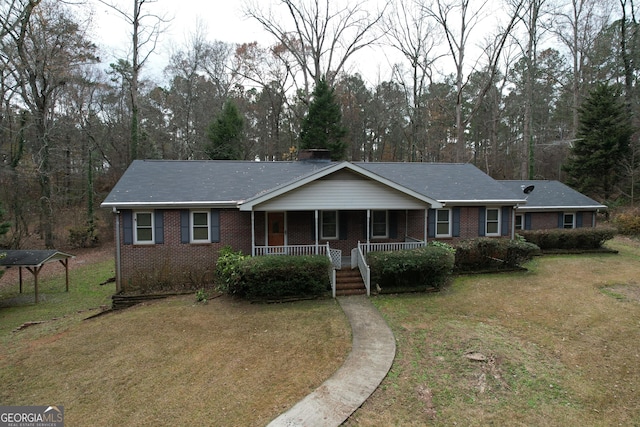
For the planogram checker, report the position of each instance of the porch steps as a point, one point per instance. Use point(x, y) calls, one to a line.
point(349, 282)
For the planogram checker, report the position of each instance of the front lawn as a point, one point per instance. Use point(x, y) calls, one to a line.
point(558, 345)
point(170, 362)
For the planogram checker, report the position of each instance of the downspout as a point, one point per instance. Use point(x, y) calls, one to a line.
point(118, 254)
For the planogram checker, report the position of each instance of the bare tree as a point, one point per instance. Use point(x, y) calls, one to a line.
point(321, 35)
point(457, 35)
point(411, 31)
point(146, 28)
point(577, 24)
point(44, 53)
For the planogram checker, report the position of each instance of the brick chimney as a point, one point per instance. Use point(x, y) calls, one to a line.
point(314, 155)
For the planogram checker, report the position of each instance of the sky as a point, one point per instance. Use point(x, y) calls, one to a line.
point(223, 20)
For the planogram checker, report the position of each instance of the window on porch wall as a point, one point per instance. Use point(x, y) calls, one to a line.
point(379, 224)
point(329, 225)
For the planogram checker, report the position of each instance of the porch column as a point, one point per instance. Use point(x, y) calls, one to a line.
point(316, 232)
point(368, 230)
point(426, 222)
point(253, 233)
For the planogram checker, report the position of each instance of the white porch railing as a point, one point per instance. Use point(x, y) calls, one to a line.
point(291, 250)
point(335, 257)
point(388, 247)
point(357, 258)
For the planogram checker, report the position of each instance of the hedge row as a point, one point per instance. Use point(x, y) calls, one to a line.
point(577, 238)
point(423, 268)
point(484, 254)
point(272, 277)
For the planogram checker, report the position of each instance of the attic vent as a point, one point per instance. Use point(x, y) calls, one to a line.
point(314, 155)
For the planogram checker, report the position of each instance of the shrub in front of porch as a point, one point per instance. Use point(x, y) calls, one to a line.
point(486, 254)
point(416, 269)
point(274, 277)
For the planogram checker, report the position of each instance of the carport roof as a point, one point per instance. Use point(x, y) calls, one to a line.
point(31, 258)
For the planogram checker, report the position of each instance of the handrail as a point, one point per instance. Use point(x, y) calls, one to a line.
point(332, 269)
point(365, 271)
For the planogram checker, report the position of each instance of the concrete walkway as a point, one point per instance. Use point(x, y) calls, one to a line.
point(372, 353)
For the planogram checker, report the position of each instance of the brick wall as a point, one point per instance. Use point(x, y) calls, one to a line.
point(174, 264)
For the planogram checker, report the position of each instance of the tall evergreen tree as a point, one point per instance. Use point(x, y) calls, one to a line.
point(602, 142)
point(225, 134)
point(322, 126)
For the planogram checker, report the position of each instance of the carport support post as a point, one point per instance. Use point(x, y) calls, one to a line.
point(65, 262)
point(20, 276)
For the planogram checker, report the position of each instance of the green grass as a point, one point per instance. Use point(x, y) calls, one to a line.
point(85, 295)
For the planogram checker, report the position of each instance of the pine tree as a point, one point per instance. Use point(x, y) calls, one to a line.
point(602, 142)
point(225, 134)
point(322, 126)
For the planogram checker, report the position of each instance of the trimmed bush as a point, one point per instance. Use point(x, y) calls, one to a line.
point(422, 268)
point(484, 254)
point(569, 239)
point(282, 276)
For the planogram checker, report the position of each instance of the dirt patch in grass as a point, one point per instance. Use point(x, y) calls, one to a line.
point(555, 349)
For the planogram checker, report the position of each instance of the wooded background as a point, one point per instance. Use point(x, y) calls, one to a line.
point(506, 99)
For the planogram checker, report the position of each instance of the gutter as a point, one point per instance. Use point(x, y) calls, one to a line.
point(467, 202)
point(131, 205)
point(557, 208)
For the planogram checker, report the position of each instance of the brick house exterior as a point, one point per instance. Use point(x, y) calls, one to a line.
point(173, 217)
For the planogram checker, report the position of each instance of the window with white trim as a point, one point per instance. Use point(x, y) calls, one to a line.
point(143, 223)
point(519, 222)
point(492, 222)
point(329, 225)
point(568, 220)
point(443, 223)
point(379, 224)
point(200, 230)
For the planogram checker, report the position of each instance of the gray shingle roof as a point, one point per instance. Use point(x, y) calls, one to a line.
point(444, 181)
point(552, 194)
point(173, 182)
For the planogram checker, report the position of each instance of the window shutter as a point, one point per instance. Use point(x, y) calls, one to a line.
point(393, 224)
point(455, 227)
point(560, 219)
point(342, 224)
point(431, 223)
point(127, 226)
point(159, 226)
point(215, 225)
point(527, 221)
point(578, 219)
point(184, 226)
point(505, 220)
point(482, 215)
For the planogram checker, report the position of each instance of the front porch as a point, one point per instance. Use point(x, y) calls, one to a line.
point(343, 281)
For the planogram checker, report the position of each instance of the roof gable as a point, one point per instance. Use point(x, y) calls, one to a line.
point(350, 186)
